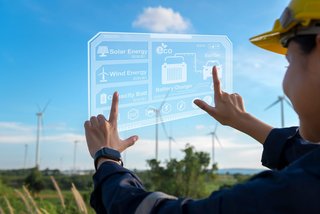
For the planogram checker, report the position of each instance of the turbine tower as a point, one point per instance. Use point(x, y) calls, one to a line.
point(214, 137)
point(39, 128)
point(280, 100)
point(75, 155)
point(25, 155)
point(157, 113)
point(170, 138)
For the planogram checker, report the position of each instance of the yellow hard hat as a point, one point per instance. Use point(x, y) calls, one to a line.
point(301, 17)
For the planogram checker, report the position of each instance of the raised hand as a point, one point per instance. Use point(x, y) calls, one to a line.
point(229, 110)
point(101, 132)
point(228, 107)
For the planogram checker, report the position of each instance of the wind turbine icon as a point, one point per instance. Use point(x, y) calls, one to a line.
point(280, 100)
point(213, 138)
point(39, 115)
point(103, 75)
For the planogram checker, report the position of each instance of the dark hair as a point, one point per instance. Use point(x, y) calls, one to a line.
point(306, 42)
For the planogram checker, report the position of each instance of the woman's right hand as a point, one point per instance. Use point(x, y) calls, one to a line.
point(228, 108)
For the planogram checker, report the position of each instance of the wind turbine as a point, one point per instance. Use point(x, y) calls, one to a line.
point(75, 155)
point(25, 155)
point(280, 99)
point(170, 143)
point(214, 137)
point(39, 128)
point(157, 116)
point(170, 138)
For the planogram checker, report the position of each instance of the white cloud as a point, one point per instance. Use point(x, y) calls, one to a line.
point(14, 126)
point(162, 20)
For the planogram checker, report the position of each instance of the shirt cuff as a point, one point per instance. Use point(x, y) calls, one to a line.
point(106, 169)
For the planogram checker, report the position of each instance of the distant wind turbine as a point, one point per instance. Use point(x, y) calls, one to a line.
point(170, 138)
point(280, 100)
point(75, 155)
point(158, 117)
point(39, 128)
point(214, 137)
point(25, 155)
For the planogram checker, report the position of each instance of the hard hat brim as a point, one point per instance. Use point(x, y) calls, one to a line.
point(269, 41)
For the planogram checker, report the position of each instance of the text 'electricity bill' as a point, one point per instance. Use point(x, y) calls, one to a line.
point(157, 75)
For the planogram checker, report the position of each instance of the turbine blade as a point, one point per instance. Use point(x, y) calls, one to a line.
point(41, 121)
point(215, 129)
point(216, 137)
point(163, 126)
point(45, 107)
point(288, 102)
point(42, 125)
point(273, 104)
point(171, 138)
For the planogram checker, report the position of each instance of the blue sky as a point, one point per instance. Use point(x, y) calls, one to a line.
point(43, 56)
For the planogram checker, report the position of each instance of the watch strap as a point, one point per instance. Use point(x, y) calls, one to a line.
point(107, 153)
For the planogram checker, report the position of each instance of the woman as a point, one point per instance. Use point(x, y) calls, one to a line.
point(293, 154)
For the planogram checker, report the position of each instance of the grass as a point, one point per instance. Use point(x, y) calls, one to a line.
point(48, 201)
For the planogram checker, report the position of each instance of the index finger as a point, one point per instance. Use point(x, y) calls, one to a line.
point(113, 117)
point(216, 83)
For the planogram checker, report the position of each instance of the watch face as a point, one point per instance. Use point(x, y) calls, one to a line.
point(110, 153)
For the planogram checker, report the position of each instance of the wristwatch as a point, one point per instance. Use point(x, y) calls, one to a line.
point(108, 153)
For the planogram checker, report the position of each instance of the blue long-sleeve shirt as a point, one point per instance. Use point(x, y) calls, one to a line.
point(291, 186)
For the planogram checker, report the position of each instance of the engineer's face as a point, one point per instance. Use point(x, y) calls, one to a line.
point(301, 83)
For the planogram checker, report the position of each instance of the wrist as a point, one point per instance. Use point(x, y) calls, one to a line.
point(108, 154)
point(244, 119)
point(253, 127)
point(103, 160)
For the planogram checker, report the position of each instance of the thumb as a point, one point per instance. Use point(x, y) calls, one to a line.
point(129, 141)
point(207, 108)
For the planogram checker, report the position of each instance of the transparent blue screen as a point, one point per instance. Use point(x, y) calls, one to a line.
point(157, 75)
